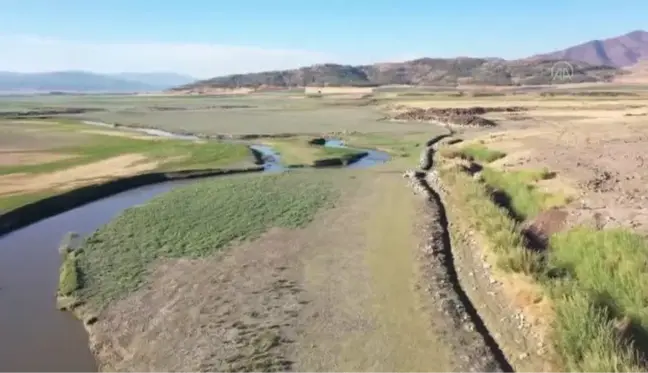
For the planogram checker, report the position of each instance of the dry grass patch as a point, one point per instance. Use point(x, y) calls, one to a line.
point(123, 165)
point(473, 152)
point(14, 158)
point(62, 156)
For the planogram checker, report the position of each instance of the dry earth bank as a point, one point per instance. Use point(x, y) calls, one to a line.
point(587, 163)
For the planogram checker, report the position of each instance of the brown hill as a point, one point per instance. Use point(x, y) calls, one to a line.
point(424, 71)
point(637, 73)
point(620, 51)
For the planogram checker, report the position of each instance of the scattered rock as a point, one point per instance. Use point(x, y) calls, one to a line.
point(455, 116)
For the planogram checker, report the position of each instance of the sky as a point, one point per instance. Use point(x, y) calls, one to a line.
point(207, 38)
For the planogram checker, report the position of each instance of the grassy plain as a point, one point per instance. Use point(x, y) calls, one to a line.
point(115, 258)
point(268, 113)
point(41, 158)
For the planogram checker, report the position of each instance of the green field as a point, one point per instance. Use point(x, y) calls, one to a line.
point(254, 114)
point(65, 145)
point(115, 259)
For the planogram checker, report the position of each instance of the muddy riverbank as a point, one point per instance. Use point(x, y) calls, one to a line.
point(47, 207)
point(35, 336)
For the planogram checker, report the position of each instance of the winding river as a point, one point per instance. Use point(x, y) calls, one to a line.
point(34, 335)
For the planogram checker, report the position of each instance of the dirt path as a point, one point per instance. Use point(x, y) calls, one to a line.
point(367, 315)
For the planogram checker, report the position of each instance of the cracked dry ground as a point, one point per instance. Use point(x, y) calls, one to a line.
point(338, 295)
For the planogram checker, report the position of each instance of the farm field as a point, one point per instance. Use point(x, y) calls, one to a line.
point(321, 270)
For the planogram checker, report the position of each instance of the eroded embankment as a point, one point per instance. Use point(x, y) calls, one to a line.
point(482, 352)
point(455, 117)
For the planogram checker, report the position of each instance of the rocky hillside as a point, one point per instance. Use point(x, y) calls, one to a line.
point(425, 71)
point(620, 51)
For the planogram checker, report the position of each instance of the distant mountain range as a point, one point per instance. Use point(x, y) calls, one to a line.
point(597, 60)
point(424, 71)
point(82, 81)
point(621, 51)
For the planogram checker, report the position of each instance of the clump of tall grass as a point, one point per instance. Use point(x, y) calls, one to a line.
point(475, 152)
point(503, 234)
point(525, 199)
point(586, 339)
point(68, 272)
point(607, 271)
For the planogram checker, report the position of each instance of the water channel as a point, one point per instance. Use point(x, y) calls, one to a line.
point(34, 335)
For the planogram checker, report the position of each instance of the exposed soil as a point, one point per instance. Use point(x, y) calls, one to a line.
point(601, 165)
point(10, 158)
point(123, 165)
point(465, 117)
point(538, 230)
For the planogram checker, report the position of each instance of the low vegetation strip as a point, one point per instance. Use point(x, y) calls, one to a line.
point(194, 221)
point(299, 151)
point(71, 156)
point(35, 207)
point(595, 279)
point(68, 277)
point(474, 152)
point(172, 155)
point(524, 199)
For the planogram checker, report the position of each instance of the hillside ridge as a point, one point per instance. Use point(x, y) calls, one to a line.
point(620, 51)
point(422, 71)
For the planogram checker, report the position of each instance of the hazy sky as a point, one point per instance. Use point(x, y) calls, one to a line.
point(206, 38)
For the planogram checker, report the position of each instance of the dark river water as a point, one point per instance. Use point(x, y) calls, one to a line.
point(34, 335)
